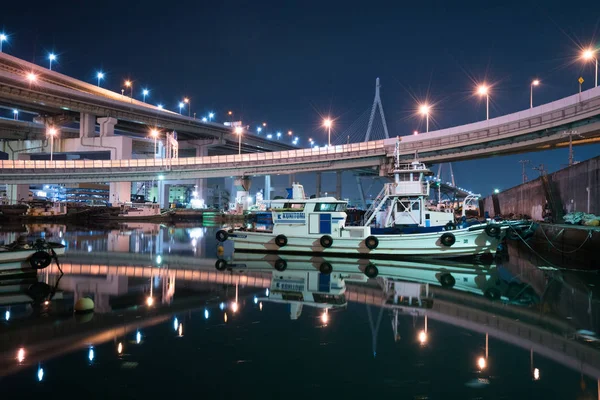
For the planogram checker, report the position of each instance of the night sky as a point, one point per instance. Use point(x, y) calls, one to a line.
point(290, 63)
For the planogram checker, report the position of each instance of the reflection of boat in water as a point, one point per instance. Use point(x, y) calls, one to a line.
point(138, 212)
point(39, 253)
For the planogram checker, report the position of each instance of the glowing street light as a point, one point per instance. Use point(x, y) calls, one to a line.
point(154, 133)
point(483, 90)
point(204, 119)
point(588, 55)
point(415, 132)
point(327, 124)
point(99, 75)
point(160, 106)
point(535, 82)
point(238, 131)
point(51, 132)
point(129, 84)
point(145, 93)
point(258, 130)
point(278, 135)
point(16, 114)
point(211, 116)
point(181, 105)
point(3, 38)
point(424, 110)
point(189, 104)
point(31, 77)
point(290, 133)
point(51, 57)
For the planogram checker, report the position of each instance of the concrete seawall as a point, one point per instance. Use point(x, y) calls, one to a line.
point(575, 188)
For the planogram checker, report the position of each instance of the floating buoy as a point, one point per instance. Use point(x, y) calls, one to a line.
point(220, 264)
point(371, 242)
point(84, 305)
point(326, 241)
point(448, 239)
point(447, 280)
point(281, 240)
point(371, 271)
point(222, 235)
point(325, 268)
point(40, 260)
point(280, 264)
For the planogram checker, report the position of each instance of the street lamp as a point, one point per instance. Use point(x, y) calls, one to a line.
point(535, 82)
point(211, 116)
point(16, 114)
point(51, 57)
point(424, 110)
point(3, 38)
point(154, 134)
point(31, 77)
point(204, 119)
point(290, 133)
point(483, 90)
point(145, 93)
point(278, 135)
point(327, 123)
point(180, 107)
point(51, 132)
point(99, 75)
point(588, 55)
point(189, 104)
point(239, 130)
point(129, 84)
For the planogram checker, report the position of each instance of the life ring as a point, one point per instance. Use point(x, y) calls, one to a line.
point(280, 264)
point(325, 268)
point(448, 239)
point(371, 242)
point(281, 240)
point(220, 264)
point(492, 293)
point(450, 226)
point(326, 241)
point(371, 271)
point(222, 235)
point(493, 230)
point(447, 280)
point(40, 260)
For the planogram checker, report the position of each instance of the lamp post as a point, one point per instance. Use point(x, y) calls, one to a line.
point(189, 104)
point(145, 93)
point(3, 38)
point(535, 82)
point(483, 90)
point(211, 116)
point(51, 132)
point(588, 55)
point(154, 134)
point(238, 130)
point(99, 75)
point(180, 107)
point(424, 109)
point(129, 84)
point(327, 123)
point(258, 130)
point(230, 113)
point(16, 114)
point(51, 57)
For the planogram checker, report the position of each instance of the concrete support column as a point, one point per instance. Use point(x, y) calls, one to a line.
point(163, 194)
point(267, 194)
point(201, 184)
point(87, 125)
point(242, 185)
point(119, 192)
point(338, 184)
point(107, 126)
point(318, 188)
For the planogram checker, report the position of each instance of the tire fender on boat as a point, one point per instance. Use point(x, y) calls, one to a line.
point(450, 226)
point(281, 240)
point(220, 264)
point(493, 230)
point(325, 268)
point(447, 280)
point(371, 242)
point(371, 271)
point(326, 241)
point(222, 235)
point(280, 264)
point(447, 239)
point(40, 260)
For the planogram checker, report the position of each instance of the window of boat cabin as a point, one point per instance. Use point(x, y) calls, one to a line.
point(406, 205)
point(291, 206)
point(330, 207)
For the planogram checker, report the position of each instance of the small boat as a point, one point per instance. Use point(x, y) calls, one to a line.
point(46, 210)
point(407, 228)
point(38, 254)
point(140, 212)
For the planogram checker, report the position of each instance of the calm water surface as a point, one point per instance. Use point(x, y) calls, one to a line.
point(167, 323)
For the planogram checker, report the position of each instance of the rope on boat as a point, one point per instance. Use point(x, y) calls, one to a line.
point(589, 235)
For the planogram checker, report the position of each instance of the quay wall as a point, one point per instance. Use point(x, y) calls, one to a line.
point(575, 188)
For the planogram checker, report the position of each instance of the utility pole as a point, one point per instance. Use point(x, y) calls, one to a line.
point(523, 173)
point(571, 155)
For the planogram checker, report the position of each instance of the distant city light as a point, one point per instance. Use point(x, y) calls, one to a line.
point(160, 106)
point(259, 129)
point(278, 135)
point(51, 57)
point(3, 38)
point(496, 191)
point(31, 77)
point(211, 116)
point(204, 119)
point(145, 92)
point(100, 76)
point(269, 136)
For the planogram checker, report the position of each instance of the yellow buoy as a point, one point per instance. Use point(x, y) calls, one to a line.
point(220, 250)
point(84, 305)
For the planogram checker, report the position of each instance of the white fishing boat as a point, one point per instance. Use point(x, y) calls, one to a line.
point(407, 228)
point(140, 211)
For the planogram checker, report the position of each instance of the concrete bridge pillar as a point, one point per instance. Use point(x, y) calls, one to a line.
point(267, 191)
point(119, 192)
point(201, 184)
point(318, 186)
point(107, 126)
point(242, 185)
point(87, 125)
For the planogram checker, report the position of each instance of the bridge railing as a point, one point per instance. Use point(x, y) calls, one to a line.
point(289, 156)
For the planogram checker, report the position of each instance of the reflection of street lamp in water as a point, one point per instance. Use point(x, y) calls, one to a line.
point(325, 317)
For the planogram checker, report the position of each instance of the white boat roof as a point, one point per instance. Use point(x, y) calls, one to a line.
point(315, 200)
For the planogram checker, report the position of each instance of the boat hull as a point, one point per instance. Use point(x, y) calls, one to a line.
point(25, 254)
point(469, 242)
